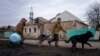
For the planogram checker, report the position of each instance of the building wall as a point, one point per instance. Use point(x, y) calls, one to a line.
point(31, 31)
point(97, 35)
point(80, 25)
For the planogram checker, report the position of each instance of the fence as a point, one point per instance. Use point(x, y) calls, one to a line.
point(7, 34)
point(72, 32)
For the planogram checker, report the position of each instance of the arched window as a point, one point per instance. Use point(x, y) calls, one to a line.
point(34, 30)
point(25, 30)
point(29, 29)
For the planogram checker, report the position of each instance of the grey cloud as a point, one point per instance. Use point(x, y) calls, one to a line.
point(11, 11)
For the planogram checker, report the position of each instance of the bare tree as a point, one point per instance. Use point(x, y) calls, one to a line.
point(94, 15)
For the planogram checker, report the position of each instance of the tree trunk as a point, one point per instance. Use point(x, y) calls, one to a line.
point(97, 26)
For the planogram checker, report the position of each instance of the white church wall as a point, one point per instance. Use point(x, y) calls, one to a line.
point(30, 31)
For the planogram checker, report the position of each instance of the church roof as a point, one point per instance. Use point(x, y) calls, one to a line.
point(41, 20)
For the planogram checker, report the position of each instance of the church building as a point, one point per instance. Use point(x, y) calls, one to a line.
point(32, 30)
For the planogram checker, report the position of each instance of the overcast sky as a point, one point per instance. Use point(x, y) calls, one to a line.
point(11, 11)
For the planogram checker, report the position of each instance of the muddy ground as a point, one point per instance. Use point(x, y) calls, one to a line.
point(31, 50)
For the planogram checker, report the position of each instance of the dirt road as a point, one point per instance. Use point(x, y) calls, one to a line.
point(63, 44)
point(31, 50)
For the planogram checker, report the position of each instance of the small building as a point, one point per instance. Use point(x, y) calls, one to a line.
point(6, 31)
point(32, 30)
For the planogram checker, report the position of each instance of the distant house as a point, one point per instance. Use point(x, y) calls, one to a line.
point(68, 21)
point(5, 31)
